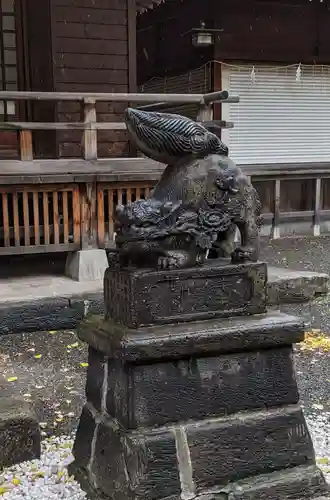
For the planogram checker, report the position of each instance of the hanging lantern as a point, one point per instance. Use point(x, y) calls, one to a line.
point(202, 37)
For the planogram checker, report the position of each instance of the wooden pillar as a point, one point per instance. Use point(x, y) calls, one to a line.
point(131, 27)
point(216, 85)
point(88, 203)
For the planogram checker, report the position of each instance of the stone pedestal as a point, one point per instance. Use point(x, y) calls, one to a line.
point(206, 408)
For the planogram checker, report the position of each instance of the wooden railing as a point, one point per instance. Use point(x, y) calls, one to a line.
point(278, 186)
point(90, 125)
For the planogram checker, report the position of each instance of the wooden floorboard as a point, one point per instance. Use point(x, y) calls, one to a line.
point(79, 170)
point(130, 169)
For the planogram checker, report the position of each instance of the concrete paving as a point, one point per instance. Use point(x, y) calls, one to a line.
point(45, 286)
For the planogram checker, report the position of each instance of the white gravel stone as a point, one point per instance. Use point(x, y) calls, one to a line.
point(48, 478)
point(319, 428)
point(44, 479)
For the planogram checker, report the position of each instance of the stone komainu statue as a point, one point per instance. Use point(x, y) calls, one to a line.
point(200, 200)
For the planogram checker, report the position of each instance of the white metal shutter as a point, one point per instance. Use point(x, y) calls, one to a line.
point(278, 119)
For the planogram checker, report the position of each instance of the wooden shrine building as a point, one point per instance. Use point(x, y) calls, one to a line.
point(69, 68)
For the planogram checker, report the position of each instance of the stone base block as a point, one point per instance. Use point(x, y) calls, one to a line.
point(162, 392)
point(142, 297)
point(238, 457)
point(19, 432)
point(86, 265)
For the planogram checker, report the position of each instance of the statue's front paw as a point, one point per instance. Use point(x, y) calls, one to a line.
point(168, 262)
point(244, 254)
point(175, 260)
point(117, 260)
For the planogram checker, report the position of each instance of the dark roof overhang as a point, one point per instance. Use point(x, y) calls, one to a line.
point(143, 5)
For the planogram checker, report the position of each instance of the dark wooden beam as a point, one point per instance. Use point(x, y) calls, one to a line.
point(23, 68)
point(132, 70)
point(131, 26)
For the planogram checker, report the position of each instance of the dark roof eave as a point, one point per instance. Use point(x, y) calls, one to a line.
point(143, 5)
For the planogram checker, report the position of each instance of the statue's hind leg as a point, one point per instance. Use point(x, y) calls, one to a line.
point(249, 248)
point(224, 246)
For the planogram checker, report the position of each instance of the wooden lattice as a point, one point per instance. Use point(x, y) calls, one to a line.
point(39, 219)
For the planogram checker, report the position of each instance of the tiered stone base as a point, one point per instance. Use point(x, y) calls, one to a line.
point(194, 411)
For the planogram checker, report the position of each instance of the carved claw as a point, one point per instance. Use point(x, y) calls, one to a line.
point(116, 260)
point(175, 260)
point(167, 263)
point(244, 254)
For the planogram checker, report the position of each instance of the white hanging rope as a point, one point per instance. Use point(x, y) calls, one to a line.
point(298, 73)
point(253, 74)
point(254, 71)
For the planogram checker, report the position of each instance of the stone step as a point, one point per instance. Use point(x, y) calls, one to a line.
point(286, 286)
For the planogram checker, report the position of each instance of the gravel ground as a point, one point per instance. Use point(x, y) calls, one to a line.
point(44, 479)
point(319, 427)
point(48, 368)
